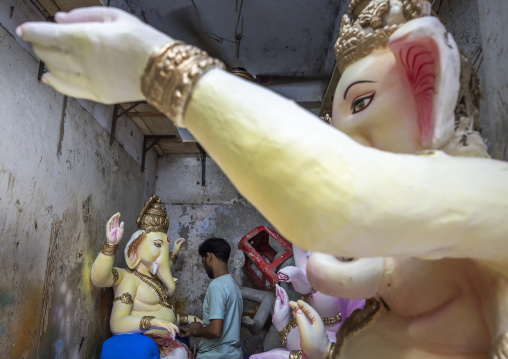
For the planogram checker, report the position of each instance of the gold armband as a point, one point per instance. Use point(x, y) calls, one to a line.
point(329, 353)
point(146, 322)
point(109, 249)
point(184, 319)
point(173, 257)
point(295, 354)
point(126, 298)
point(114, 273)
point(170, 75)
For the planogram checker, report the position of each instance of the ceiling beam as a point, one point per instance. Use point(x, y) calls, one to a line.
point(52, 6)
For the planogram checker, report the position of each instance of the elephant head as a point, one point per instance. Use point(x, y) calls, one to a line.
point(404, 88)
point(149, 245)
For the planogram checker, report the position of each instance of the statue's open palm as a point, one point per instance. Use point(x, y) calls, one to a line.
point(114, 230)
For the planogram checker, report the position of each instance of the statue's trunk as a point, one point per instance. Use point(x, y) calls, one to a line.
point(163, 271)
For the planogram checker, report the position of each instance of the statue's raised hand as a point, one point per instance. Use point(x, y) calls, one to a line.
point(281, 311)
point(314, 339)
point(114, 230)
point(96, 53)
point(178, 245)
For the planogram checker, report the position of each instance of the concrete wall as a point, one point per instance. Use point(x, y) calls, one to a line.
point(493, 16)
point(477, 27)
point(199, 212)
point(196, 213)
point(60, 181)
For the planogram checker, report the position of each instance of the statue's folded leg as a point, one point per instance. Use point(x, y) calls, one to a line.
point(130, 346)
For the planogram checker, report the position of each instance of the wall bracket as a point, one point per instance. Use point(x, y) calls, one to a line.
point(202, 155)
point(117, 115)
point(148, 146)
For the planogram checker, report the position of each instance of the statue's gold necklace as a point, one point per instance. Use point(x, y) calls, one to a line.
point(159, 288)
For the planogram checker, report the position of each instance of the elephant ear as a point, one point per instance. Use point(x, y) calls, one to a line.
point(132, 257)
point(431, 60)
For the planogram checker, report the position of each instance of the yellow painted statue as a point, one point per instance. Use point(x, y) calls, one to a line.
point(141, 303)
point(392, 184)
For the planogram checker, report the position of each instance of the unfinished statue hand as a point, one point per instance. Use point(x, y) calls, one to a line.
point(96, 53)
point(114, 231)
point(314, 339)
point(281, 311)
point(167, 325)
point(178, 245)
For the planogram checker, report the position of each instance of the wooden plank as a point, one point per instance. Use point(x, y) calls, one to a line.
point(133, 114)
point(68, 5)
point(179, 147)
point(52, 6)
point(142, 126)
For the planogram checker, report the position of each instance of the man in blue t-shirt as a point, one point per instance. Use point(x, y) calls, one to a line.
point(222, 308)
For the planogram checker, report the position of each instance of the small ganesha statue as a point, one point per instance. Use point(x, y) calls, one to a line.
point(143, 320)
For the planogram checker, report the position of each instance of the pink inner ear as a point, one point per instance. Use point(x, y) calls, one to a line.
point(420, 59)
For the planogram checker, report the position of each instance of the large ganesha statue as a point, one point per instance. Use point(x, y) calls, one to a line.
point(141, 304)
point(393, 185)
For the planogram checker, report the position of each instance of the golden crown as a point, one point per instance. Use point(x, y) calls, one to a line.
point(371, 24)
point(154, 217)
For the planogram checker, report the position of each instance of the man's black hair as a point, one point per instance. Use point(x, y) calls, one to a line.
point(217, 246)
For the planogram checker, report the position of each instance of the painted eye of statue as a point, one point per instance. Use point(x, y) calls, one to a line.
point(361, 103)
point(157, 244)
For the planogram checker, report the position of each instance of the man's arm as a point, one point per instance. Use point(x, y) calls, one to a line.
point(196, 329)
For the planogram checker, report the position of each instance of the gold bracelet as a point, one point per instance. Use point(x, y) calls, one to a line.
point(125, 298)
point(109, 249)
point(146, 322)
point(170, 75)
point(329, 353)
point(114, 273)
point(184, 319)
point(295, 354)
point(173, 257)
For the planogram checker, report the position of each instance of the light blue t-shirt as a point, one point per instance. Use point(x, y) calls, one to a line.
point(223, 300)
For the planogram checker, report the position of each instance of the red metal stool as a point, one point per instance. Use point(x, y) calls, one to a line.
point(260, 254)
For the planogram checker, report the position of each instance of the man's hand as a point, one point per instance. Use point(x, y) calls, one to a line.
point(114, 231)
point(190, 330)
point(184, 332)
point(96, 53)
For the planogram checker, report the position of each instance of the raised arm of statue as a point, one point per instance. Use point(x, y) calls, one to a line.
point(432, 199)
point(103, 274)
point(424, 206)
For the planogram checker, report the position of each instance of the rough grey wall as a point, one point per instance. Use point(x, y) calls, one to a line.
point(477, 27)
point(60, 180)
point(199, 212)
point(493, 19)
point(196, 213)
